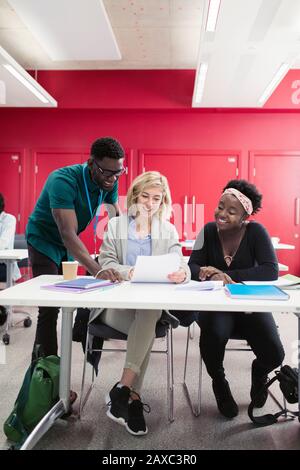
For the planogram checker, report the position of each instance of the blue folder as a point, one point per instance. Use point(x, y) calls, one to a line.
point(255, 291)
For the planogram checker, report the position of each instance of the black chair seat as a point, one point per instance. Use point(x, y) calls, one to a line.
point(100, 330)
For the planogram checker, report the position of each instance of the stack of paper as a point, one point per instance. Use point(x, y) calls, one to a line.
point(200, 286)
point(288, 281)
point(291, 281)
point(82, 284)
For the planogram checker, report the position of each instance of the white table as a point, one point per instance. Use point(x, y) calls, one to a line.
point(125, 295)
point(9, 257)
point(283, 246)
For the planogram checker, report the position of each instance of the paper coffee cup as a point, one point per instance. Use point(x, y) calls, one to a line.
point(69, 269)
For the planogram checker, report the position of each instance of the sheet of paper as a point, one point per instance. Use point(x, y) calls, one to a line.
point(200, 286)
point(155, 268)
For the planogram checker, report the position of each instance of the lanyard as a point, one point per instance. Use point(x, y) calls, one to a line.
point(90, 207)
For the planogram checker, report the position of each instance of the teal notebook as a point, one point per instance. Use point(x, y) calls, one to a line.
point(255, 291)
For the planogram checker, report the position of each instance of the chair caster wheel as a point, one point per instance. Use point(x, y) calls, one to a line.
point(6, 339)
point(27, 322)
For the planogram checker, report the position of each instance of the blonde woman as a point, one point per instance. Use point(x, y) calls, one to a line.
point(145, 230)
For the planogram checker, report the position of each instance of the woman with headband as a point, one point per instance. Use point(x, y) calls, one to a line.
point(234, 249)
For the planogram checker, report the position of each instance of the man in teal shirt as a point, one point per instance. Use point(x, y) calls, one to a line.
point(67, 204)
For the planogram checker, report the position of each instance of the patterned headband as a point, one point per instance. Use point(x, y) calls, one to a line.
point(244, 200)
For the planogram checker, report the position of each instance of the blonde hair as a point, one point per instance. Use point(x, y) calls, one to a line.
point(147, 180)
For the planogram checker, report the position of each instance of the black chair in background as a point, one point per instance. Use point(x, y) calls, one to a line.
point(20, 243)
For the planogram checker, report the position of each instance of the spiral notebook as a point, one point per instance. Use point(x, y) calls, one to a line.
point(255, 291)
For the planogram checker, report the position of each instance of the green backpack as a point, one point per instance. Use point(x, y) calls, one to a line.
point(39, 392)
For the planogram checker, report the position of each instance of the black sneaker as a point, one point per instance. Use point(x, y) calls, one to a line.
point(117, 402)
point(136, 422)
point(258, 392)
point(225, 401)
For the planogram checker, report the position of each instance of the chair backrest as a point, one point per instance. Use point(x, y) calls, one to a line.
point(20, 243)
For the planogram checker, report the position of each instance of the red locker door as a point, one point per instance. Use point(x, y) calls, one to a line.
point(46, 162)
point(209, 174)
point(10, 169)
point(175, 166)
point(277, 176)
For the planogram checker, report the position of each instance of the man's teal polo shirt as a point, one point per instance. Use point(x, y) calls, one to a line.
point(64, 189)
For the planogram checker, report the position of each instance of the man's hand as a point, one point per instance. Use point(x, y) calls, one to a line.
point(207, 271)
point(110, 274)
point(222, 277)
point(178, 276)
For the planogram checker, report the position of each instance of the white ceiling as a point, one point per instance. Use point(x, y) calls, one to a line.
point(253, 38)
point(151, 34)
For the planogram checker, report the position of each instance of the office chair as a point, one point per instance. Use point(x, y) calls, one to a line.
point(196, 408)
point(164, 329)
point(21, 243)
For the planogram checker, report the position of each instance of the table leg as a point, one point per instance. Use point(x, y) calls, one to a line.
point(62, 406)
point(9, 283)
point(65, 356)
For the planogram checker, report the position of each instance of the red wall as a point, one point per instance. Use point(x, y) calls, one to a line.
point(173, 125)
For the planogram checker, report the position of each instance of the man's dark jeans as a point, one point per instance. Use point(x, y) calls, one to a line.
point(46, 334)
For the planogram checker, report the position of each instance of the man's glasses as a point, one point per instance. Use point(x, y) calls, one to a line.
point(109, 173)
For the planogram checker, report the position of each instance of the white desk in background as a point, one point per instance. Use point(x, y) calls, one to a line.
point(283, 246)
point(125, 295)
point(189, 244)
point(9, 257)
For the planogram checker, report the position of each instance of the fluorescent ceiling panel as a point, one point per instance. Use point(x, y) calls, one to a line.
point(18, 88)
point(70, 29)
point(200, 84)
point(212, 17)
point(251, 42)
point(2, 92)
point(279, 75)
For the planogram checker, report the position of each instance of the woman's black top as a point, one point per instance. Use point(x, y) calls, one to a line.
point(255, 259)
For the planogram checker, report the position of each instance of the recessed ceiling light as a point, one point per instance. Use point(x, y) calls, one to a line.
point(25, 82)
point(200, 82)
point(212, 16)
point(281, 72)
